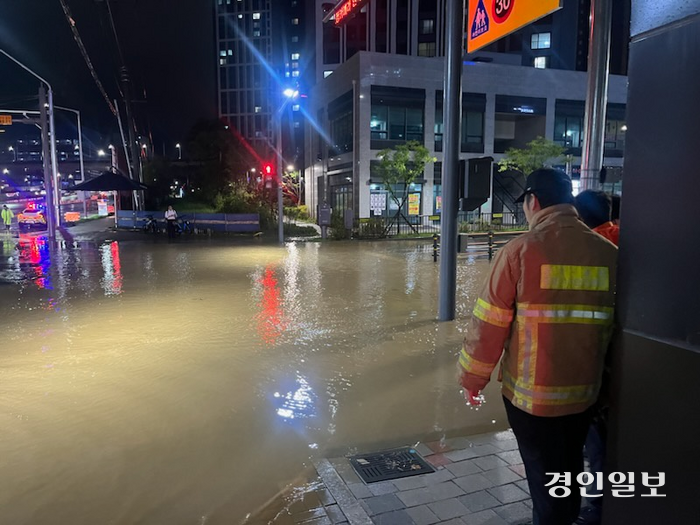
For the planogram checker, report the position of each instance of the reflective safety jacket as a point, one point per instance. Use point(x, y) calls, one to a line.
point(7, 215)
point(548, 309)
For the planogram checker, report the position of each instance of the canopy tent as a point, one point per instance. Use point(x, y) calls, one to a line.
point(110, 181)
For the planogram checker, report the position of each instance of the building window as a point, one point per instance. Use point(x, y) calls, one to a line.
point(541, 62)
point(396, 123)
point(256, 32)
point(295, 39)
point(568, 131)
point(295, 56)
point(326, 74)
point(295, 65)
point(427, 26)
point(295, 73)
point(256, 16)
point(541, 41)
point(258, 109)
point(615, 131)
point(426, 49)
point(341, 133)
point(295, 107)
point(295, 21)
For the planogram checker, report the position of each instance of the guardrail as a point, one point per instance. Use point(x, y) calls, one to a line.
point(425, 225)
point(224, 222)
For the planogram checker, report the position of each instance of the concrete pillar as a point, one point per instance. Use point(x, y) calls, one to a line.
point(549, 119)
point(654, 398)
point(489, 123)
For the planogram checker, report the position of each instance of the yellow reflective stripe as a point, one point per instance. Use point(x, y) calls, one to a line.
point(492, 314)
point(565, 313)
point(569, 277)
point(527, 395)
point(474, 366)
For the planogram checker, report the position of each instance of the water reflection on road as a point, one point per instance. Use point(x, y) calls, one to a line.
point(188, 383)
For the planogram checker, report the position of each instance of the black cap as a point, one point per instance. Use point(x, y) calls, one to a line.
point(550, 185)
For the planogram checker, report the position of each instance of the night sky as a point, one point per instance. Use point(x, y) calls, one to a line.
point(168, 46)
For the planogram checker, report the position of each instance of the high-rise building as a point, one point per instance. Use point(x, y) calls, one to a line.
point(264, 48)
point(417, 28)
point(379, 83)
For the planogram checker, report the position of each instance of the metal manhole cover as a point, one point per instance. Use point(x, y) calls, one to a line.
point(390, 464)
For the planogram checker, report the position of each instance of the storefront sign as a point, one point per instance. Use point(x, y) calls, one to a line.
point(414, 204)
point(438, 204)
point(490, 20)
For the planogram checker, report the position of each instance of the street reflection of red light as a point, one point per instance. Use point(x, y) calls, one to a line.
point(271, 323)
point(117, 266)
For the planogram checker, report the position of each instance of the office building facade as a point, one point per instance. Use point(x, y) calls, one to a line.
point(380, 83)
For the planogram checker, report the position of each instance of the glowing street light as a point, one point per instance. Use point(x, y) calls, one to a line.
point(101, 153)
point(179, 151)
point(14, 153)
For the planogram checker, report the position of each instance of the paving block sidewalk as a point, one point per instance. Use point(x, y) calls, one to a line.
point(479, 480)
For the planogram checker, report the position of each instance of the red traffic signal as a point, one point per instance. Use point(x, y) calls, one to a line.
point(268, 174)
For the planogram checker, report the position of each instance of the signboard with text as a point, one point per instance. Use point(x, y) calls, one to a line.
point(414, 204)
point(345, 10)
point(5, 120)
point(490, 20)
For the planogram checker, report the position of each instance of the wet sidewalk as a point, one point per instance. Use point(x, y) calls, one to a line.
point(479, 480)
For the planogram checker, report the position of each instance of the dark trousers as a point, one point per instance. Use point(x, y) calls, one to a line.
point(171, 228)
point(595, 450)
point(550, 444)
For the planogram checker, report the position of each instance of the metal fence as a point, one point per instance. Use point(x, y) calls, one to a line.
point(427, 225)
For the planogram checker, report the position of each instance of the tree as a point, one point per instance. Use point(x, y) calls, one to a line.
point(538, 153)
point(222, 157)
point(399, 168)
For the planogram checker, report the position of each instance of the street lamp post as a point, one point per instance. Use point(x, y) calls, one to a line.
point(52, 150)
point(80, 140)
point(289, 94)
point(14, 153)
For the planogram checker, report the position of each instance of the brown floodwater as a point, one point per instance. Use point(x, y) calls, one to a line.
point(184, 383)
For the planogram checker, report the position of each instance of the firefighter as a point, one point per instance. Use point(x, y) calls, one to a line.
point(7, 217)
point(595, 210)
point(547, 309)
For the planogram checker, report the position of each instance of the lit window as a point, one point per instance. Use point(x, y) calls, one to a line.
point(286, 74)
point(295, 56)
point(541, 62)
point(295, 107)
point(326, 74)
point(295, 21)
point(258, 109)
point(256, 32)
point(295, 73)
point(541, 41)
point(230, 52)
point(256, 16)
point(426, 49)
point(240, 16)
point(222, 52)
point(427, 26)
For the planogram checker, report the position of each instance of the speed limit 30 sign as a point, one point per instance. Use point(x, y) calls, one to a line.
point(490, 20)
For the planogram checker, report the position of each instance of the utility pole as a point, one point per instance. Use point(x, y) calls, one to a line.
point(280, 167)
point(597, 93)
point(46, 157)
point(134, 148)
point(450, 163)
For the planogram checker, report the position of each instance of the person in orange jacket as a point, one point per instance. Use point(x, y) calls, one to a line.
point(547, 311)
point(595, 209)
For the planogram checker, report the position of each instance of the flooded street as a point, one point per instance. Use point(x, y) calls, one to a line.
point(143, 382)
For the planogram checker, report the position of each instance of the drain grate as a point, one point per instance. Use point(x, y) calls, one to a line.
point(390, 464)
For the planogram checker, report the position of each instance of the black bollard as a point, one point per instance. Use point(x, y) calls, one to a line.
point(436, 246)
point(490, 245)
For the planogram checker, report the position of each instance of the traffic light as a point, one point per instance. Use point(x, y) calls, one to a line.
point(268, 174)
